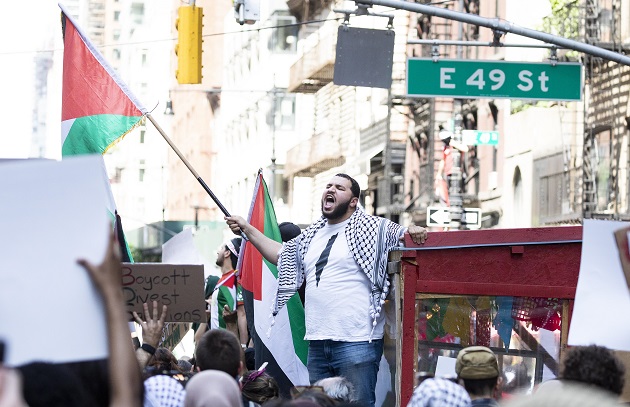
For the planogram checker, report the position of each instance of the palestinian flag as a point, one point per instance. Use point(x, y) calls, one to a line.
point(97, 108)
point(283, 345)
point(227, 293)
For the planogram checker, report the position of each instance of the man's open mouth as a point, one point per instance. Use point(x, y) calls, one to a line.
point(329, 201)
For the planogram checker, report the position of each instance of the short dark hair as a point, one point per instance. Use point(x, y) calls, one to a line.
point(219, 349)
point(594, 365)
point(261, 388)
point(355, 188)
point(480, 387)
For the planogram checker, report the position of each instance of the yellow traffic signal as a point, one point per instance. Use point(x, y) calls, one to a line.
point(188, 48)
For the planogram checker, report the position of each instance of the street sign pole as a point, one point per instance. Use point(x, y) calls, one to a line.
point(454, 190)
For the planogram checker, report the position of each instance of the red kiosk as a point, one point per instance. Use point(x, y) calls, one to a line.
point(509, 289)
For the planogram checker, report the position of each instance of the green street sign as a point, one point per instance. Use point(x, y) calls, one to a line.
point(494, 79)
point(480, 137)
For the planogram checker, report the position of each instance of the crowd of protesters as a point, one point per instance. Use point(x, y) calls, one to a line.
point(217, 375)
point(221, 374)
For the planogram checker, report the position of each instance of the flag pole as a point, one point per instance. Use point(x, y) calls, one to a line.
point(192, 170)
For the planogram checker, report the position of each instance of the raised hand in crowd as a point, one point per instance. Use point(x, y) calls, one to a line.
point(151, 332)
point(124, 377)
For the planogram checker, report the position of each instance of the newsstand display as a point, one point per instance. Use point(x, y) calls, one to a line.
point(511, 290)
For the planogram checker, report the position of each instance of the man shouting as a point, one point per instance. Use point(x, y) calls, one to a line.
point(343, 259)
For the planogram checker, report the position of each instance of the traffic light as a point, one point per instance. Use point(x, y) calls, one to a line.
point(188, 48)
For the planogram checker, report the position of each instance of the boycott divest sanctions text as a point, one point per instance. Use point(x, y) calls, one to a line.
point(140, 289)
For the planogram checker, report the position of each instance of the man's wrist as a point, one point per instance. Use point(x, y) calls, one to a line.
point(245, 230)
point(148, 348)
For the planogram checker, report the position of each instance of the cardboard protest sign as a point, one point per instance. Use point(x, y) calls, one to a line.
point(179, 287)
point(621, 237)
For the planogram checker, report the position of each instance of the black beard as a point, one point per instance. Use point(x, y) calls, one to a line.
point(338, 212)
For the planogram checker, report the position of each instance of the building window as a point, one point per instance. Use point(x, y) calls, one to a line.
point(141, 171)
point(116, 53)
point(283, 38)
point(137, 13)
point(117, 175)
point(116, 15)
point(287, 112)
point(142, 136)
point(144, 57)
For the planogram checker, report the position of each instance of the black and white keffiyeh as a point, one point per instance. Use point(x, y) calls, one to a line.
point(370, 238)
point(163, 391)
point(439, 393)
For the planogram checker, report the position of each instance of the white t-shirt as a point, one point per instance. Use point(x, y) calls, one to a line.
point(337, 303)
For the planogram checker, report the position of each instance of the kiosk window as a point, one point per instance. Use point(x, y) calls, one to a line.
point(524, 333)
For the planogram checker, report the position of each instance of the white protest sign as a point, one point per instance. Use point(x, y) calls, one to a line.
point(182, 249)
point(602, 300)
point(53, 213)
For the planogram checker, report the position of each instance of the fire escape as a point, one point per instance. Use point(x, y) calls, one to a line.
point(312, 73)
point(589, 193)
point(605, 127)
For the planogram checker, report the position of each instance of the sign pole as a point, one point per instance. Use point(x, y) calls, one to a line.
point(455, 184)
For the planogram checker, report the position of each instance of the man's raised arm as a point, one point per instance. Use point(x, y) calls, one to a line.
point(269, 248)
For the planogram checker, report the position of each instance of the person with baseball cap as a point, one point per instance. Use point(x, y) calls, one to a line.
point(478, 371)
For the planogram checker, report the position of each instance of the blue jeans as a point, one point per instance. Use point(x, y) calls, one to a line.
point(356, 361)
